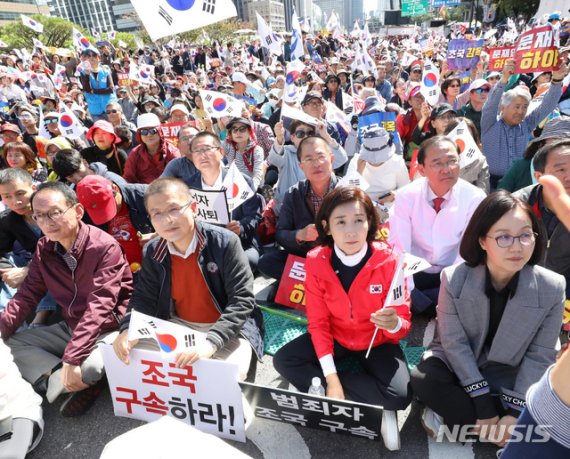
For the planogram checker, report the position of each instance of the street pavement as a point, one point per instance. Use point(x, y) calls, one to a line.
point(85, 437)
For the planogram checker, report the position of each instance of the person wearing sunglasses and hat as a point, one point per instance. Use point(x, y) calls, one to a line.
point(97, 84)
point(147, 161)
point(105, 150)
point(438, 118)
point(478, 93)
point(332, 91)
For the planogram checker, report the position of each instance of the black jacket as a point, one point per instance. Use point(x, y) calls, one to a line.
point(14, 228)
point(133, 196)
point(296, 213)
point(226, 271)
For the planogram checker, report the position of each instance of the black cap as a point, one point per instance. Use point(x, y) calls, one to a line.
point(238, 120)
point(310, 96)
point(440, 110)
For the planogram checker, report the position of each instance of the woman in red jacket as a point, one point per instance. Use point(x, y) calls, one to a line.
point(348, 278)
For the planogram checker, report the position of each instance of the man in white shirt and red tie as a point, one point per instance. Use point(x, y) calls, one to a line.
point(430, 214)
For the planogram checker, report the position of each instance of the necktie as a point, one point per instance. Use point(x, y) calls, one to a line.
point(437, 204)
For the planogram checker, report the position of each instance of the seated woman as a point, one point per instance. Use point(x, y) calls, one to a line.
point(19, 155)
point(344, 309)
point(498, 321)
point(241, 146)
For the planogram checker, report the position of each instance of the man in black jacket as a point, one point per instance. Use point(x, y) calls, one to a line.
point(19, 235)
point(195, 275)
point(296, 231)
point(119, 210)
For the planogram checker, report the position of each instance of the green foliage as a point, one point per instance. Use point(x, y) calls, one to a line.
point(57, 33)
point(128, 38)
point(222, 32)
point(516, 8)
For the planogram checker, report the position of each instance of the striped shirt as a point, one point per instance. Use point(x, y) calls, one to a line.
point(503, 144)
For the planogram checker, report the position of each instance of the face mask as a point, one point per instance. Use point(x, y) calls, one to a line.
point(273, 102)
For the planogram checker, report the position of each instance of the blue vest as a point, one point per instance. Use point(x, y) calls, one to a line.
point(98, 102)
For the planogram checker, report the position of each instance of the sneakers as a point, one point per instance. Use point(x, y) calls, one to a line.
point(389, 430)
point(79, 402)
point(432, 422)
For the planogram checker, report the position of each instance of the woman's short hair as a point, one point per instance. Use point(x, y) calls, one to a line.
point(23, 149)
point(296, 123)
point(337, 197)
point(447, 83)
point(489, 212)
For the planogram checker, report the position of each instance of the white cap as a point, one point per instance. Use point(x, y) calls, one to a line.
point(180, 107)
point(147, 120)
point(479, 83)
point(239, 77)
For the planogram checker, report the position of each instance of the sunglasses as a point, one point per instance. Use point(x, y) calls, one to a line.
point(239, 129)
point(51, 121)
point(108, 112)
point(300, 134)
point(417, 71)
point(481, 90)
point(495, 78)
point(149, 131)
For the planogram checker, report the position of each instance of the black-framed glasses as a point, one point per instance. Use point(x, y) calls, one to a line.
point(300, 134)
point(204, 150)
point(240, 129)
point(53, 215)
point(51, 120)
point(173, 213)
point(148, 131)
point(506, 240)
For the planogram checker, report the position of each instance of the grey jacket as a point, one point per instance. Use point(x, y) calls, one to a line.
point(525, 338)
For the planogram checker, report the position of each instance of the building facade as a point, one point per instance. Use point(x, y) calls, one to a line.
point(91, 14)
point(272, 11)
point(11, 10)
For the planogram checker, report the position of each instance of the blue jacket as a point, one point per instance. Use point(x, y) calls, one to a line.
point(99, 91)
point(226, 271)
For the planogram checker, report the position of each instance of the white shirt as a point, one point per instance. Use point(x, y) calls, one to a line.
point(189, 251)
point(217, 184)
point(416, 228)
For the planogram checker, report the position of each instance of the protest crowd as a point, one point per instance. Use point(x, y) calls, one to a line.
point(407, 175)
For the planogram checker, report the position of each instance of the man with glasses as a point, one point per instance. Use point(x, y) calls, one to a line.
point(85, 271)
point(296, 231)
point(207, 153)
point(195, 275)
point(430, 215)
point(51, 122)
point(383, 86)
point(314, 105)
point(116, 117)
point(29, 121)
point(97, 84)
point(478, 93)
point(147, 160)
point(183, 167)
point(415, 73)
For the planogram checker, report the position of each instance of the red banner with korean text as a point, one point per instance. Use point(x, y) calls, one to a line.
point(498, 57)
point(291, 292)
point(536, 50)
point(170, 131)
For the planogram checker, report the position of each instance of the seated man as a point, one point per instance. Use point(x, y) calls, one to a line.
point(196, 275)
point(296, 231)
point(552, 159)
point(207, 153)
point(119, 210)
point(430, 214)
point(71, 166)
point(183, 167)
point(87, 274)
point(19, 236)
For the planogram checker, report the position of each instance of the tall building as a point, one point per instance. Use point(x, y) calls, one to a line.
point(12, 9)
point(125, 14)
point(303, 8)
point(347, 11)
point(271, 10)
point(91, 14)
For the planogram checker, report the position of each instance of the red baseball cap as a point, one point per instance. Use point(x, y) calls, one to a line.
point(96, 194)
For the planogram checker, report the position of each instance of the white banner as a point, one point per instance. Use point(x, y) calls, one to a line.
point(212, 206)
point(296, 114)
point(205, 395)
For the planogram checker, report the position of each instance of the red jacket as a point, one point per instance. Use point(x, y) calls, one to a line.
point(93, 298)
point(141, 167)
point(334, 314)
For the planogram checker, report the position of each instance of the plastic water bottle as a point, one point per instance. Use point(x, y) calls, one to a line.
point(316, 387)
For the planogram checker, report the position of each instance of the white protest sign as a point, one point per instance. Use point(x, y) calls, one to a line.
point(205, 394)
point(469, 151)
point(171, 338)
point(212, 206)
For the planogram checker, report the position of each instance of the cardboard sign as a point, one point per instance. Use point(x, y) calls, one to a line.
point(170, 131)
point(123, 78)
point(205, 394)
point(536, 50)
point(291, 290)
point(387, 120)
point(498, 57)
point(212, 206)
point(338, 416)
point(463, 54)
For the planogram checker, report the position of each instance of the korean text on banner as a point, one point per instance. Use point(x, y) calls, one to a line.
point(387, 120)
point(211, 206)
point(205, 394)
point(463, 54)
point(291, 290)
point(498, 57)
point(536, 50)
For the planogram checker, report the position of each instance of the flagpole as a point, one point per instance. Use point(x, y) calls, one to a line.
point(389, 299)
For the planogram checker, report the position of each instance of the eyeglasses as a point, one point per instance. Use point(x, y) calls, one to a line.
point(173, 213)
point(51, 120)
point(481, 90)
point(240, 129)
point(204, 150)
point(300, 134)
point(505, 241)
point(495, 78)
point(321, 159)
point(150, 131)
point(416, 71)
point(108, 112)
point(186, 138)
point(315, 103)
point(53, 215)
point(451, 164)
